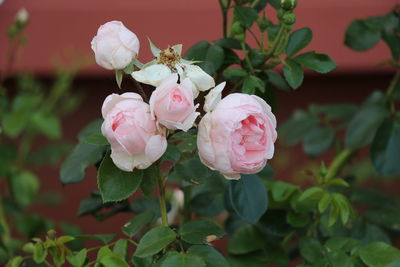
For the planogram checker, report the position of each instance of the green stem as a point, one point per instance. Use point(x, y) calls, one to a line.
point(161, 197)
point(277, 42)
point(255, 3)
point(338, 163)
point(246, 57)
point(5, 237)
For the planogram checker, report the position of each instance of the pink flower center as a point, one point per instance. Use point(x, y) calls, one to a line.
point(249, 140)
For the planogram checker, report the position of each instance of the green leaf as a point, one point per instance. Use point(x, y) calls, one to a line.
point(392, 39)
point(83, 156)
point(175, 259)
point(119, 74)
point(7, 156)
point(251, 83)
point(49, 153)
point(138, 221)
point(14, 123)
point(234, 73)
point(248, 197)
point(39, 253)
point(339, 259)
point(96, 139)
point(277, 80)
point(364, 124)
point(246, 15)
point(213, 59)
point(77, 259)
point(230, 43)
point(321, 63)
point(385, 148)
point(335, 111)
point(121, 248)
point(47, 123)
point(298, 40)
point(192, 170)
point(379, 254)
point(172, 154)
point(297, 127)
point(197, 231)
point(387, 217)
point(198, 51)
point(154, 241)
point(282, 191)
point(318, 140)
point(142, 204)
point(361, 36)
point(293, 74)
point(342, 243)
point(24, 187)
point(211, 256)
point(90, 205)
point(115, 184)
point(113, 260)
point(311, 249)
point(15, 261)
point(312, 193)
point(245, 239)
point(343, 205)
point(149, 180)
point(324, 203)
point(297, 219)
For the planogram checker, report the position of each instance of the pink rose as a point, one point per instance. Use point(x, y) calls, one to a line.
point(135, 140)
point(237, 136)
point(172, 104)
point(115, 46)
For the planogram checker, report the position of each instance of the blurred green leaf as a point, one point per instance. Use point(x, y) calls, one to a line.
point(175, 259)
point(361, 36)
point(246, 15)
point(96, 139)
point(379, 254)
point(318, 140)
point(138, 221)
point(47, 124)
point(311, 249)
point(211, 256)
point(197, 231)
point(24, 187)
point(277, 80)
point(78, 259)
point(251, 83)
point(245, 239)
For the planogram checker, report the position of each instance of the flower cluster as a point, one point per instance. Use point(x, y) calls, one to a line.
point(236, 135)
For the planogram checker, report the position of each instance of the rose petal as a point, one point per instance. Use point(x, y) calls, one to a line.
point(152, 75)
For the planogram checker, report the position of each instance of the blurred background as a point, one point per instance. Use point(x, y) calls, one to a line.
point(58, 37)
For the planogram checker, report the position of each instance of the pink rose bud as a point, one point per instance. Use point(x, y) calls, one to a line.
point(173, 105)
point(135, 140)
point(237, 136)
point(115, 46)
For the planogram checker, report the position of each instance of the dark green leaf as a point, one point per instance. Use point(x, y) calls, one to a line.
point(277, 80)
point(90, 205)
point(364, 124)
point(138, 221)
point(234, 73)
point(121, 248)
point(246, 15)
point(297, 219)
point(105, 238)
point(175, 259)
point(392, 39)
point(172, 154)
point(213, 59)
point(83, 156)
point(335, 111)
point(78, 259)
point(245, 239)
point(149, 180)
point(211, 256)
point(154, 241)
point(251, 83)
point(281, 191)
point(197, 231)
point(115, 184)
point(318, 140)
point(248, 197)
point(47, 124)
point(324, 203)
point(293, 73)
point(385, 148)
point(321, 63)
point(360, 36)
point(230, 43)
point(198, 51)
point(311, 249)
point(298, 40)
point(339, 259)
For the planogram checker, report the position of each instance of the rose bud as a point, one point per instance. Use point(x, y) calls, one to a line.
point(115, 46)
point(173, 105)
point(135, 140)
point(237, 136)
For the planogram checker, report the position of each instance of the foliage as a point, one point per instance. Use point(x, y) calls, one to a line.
point(268, 222)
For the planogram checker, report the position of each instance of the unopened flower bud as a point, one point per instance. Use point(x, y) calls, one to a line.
point(288, 4)
point(240, 37)
point(236, 28)
point(289, 19)
point(22, 16)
